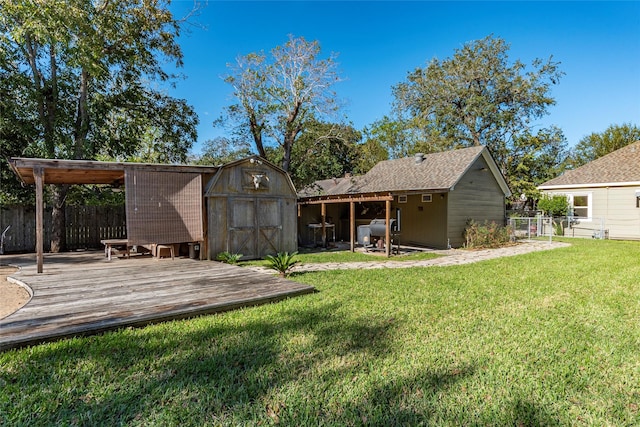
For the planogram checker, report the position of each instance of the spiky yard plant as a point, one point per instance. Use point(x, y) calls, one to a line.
point(229, 258)
point(282, 262)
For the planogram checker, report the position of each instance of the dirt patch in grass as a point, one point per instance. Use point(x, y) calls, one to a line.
point(13, 296)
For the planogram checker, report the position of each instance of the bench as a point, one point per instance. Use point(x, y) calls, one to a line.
point(125, 246)
point(116, 243)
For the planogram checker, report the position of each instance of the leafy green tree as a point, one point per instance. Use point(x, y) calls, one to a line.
point(220, 150)
point(597, 145)
point(278, 97)
point(404, 136)
point(15, 136)
point(392, 134)
point(81, 78)
point(369, 153)
point(554, 205)
point(479, 97)
point(534, 159)
point(323, 150)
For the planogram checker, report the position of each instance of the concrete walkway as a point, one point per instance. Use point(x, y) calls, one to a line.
point(450, 257)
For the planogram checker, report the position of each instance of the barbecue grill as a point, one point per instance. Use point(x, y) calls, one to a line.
point(378, 228)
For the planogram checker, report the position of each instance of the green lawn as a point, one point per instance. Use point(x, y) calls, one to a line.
point(548, 338)
point(316, 257)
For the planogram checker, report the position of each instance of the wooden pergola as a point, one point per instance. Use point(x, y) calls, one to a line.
point(55, 171)
point(352, 200)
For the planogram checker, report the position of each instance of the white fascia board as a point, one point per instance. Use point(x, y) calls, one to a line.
point(594, 185)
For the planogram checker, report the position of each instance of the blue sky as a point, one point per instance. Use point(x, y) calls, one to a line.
point(379, 42)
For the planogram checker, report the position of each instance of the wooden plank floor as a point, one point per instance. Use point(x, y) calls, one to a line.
point(83, 293)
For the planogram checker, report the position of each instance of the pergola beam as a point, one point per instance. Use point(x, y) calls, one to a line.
point(352, 200)
point(347, 199)
point(38, 176)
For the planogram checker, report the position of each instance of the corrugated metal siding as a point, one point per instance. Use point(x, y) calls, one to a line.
point(163, 207)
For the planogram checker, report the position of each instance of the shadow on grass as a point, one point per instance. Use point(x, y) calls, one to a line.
point(199, 369)
point(282, 366)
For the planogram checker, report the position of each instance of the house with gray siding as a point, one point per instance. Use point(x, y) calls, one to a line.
point(604, 195)
point(431, 196)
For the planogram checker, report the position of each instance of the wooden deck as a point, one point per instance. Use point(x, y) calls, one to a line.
point(83, 293)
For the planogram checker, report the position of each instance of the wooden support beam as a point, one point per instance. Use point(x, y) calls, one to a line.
point(387, 237)
point(323, 220)
point(352, 225)
point(38, 175)
point(347, 199)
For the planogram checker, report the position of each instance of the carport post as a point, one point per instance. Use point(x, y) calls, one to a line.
point(323, 215)
point(352, 225)
point(387, 232)
point(38, 173)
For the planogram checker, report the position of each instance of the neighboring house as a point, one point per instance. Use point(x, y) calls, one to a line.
point(604, 195)
point(432, 197)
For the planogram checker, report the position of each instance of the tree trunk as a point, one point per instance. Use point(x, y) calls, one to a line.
point(286, 158)
point(58, 220)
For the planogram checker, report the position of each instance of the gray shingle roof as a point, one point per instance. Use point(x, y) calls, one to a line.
point(326, 186)
point(622, 165)
point(438, 171)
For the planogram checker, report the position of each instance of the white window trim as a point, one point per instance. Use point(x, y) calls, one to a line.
point(589, 196)
point(427, 198)
point(402, 198)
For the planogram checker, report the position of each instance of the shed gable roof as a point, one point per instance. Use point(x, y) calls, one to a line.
point(620, 166)
point(436, 172)
point(247, 161)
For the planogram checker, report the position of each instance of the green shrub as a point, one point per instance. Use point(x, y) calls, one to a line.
point(558, 228)
point(229, 258)
point(282, 262)
point(554, 205)
point(487, 235)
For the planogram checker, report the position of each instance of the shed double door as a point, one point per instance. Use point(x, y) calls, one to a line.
point(254, 227)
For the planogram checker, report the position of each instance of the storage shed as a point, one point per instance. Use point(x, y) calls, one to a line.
point(251, 206)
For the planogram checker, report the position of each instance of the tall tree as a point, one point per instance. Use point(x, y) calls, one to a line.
point(534, 159)
point(323, 150)
point(479, 97)
point(81, 72)
point(597, 145)
point(220, 150)
point(369, 152)
point(279, 96)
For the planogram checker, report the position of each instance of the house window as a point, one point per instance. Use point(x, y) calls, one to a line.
point(580, 205)
point(402, 199)
point(426, 198)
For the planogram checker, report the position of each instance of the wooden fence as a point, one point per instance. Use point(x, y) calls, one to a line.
point(86, 226)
